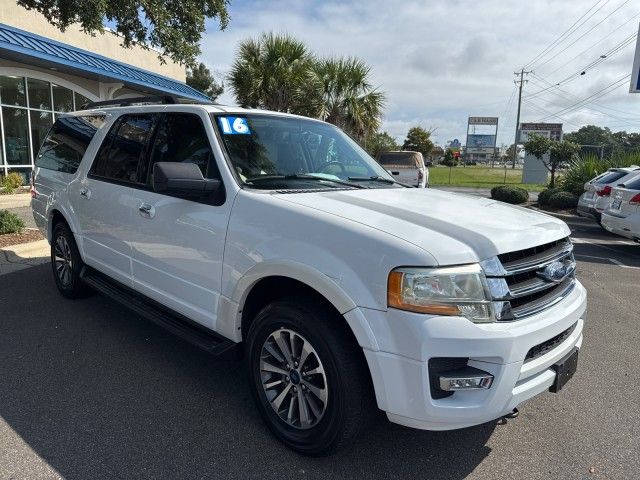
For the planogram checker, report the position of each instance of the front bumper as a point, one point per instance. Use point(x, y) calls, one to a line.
point(404, 342)
point(622, 226)
point(588, 212)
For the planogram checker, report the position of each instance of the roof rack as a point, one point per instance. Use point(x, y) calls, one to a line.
point(148, 100)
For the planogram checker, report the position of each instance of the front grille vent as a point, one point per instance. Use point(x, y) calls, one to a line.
point(526, 282)
point(549, 345)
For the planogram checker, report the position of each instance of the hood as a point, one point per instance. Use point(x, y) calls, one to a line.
point(454, 228)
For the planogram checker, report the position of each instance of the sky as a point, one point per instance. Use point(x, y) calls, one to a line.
point(439, 62)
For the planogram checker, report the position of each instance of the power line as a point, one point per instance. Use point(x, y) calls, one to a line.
point(565, 95)
point(600, 93)
point(583, 35)
point(545, 111)
point(597, 43)
point(605, 56)
point(567, 32)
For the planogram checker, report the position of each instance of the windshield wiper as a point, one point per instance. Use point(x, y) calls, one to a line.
point(378, 178)
point(301, 176)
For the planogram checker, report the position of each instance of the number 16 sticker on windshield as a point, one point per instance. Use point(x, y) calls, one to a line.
point(234, 126)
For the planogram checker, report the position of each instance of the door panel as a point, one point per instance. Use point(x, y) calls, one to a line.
point(104, 215)
point(178, 244)
point(106, 197)
point(177, 254)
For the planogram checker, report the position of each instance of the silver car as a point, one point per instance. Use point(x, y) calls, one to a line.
point(597, 192)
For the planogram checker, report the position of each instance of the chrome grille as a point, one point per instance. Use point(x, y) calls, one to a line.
point(526, 282)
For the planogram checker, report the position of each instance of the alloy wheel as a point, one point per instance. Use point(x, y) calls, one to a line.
point(63, 261)
point(293, 379)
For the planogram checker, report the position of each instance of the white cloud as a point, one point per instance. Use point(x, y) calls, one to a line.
point(441, 61)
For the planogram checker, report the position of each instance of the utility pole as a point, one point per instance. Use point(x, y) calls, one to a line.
point(520, 84)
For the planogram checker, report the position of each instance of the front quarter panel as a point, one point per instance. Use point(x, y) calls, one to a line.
point(345, 261)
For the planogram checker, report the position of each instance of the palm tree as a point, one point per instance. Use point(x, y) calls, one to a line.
point(340, 92)
point(270, 71)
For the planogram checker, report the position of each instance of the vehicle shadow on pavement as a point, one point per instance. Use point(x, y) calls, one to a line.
point(97, 392)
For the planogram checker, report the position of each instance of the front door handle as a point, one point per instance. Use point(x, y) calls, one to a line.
point(85, 192)
point(146, 210)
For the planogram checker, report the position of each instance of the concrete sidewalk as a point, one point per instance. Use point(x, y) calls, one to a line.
point(24, 255)
point(16, 200)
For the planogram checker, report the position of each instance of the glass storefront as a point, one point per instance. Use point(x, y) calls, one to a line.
point(28, 107)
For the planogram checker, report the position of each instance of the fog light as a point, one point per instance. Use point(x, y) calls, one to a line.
point(467, 378)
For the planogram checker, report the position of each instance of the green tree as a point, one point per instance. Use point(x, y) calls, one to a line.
point(340, 92)
point(201, 79)
point(270, 72)
point(449, 159)
point(174, 27)
point(380, 142)
point(418, 140)
point(508, 156)
point(592, 137)
point(277, 72)
point(559, 153)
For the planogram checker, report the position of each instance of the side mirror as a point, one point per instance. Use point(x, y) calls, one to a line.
point(182, 180)
point(428, 164)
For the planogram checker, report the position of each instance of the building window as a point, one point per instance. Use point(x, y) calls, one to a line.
point(28, 108)
point(62, 98)
point(16, 136)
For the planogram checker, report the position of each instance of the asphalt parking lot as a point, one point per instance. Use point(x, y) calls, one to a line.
point(89, 391)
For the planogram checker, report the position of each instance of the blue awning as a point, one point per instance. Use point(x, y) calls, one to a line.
point(28, 47)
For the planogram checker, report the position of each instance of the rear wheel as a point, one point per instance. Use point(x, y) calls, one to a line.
point(66, 263)
point(308, 377)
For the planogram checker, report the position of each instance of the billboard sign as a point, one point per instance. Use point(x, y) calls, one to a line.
point(483, 120)
point(552, 131)
point(635, 73)
point(481, 141)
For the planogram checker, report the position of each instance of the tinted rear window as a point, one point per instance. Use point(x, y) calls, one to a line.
point(610, 177)
point(397, 159)
point(634, 184)
point(67, 141)
point(120, 153)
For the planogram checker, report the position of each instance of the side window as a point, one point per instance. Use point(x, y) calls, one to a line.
point(181, 137)
point(67, 141)
point(123, 148)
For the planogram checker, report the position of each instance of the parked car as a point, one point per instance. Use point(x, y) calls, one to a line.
point(406, 167)
point(344, 291)
point(623, 215)
point(596, 196)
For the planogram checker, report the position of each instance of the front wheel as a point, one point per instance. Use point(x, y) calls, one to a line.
point(308, 377)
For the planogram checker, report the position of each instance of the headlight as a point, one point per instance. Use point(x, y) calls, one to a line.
point(460, 291)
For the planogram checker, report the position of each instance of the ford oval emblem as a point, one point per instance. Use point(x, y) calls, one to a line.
point(555, 272)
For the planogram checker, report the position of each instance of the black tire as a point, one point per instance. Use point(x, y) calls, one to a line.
point(69, 284)
point(350, 402)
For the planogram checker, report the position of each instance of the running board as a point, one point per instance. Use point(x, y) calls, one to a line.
point(175, 323)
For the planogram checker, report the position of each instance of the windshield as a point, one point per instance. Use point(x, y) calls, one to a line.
point(269, 152)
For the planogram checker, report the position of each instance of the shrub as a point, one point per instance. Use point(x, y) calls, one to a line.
point(543, 196)
point(12, 181)
point(509, 194)
point(583, 169)
point(10, 222)
point(563, 200)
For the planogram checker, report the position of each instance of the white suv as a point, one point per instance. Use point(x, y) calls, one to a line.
point(278, 237)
